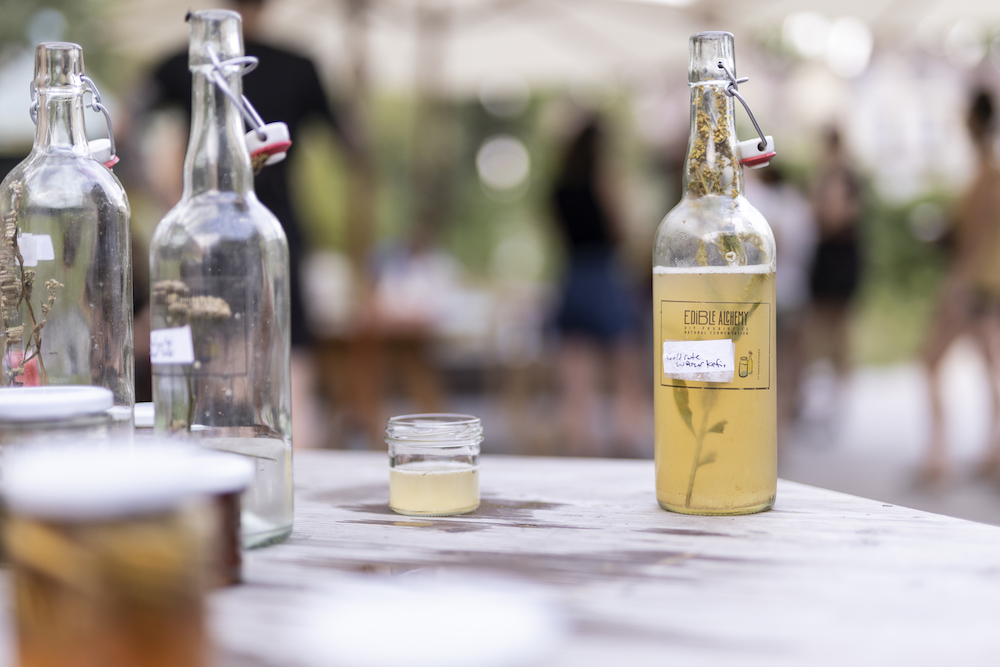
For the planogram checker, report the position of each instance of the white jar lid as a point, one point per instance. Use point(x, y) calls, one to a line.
point(145, 415)
point(86, 483)
point(25, 404)
point(219, 472)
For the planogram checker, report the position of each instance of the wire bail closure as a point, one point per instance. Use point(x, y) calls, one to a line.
point(104, 150)
point(754, 154)
point(268, 142)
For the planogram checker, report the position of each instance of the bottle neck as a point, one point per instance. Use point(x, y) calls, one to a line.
point(60, 121)
point(217, 157)
point(712, 166)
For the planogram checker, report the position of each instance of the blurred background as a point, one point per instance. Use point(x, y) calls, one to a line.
point(433, 204)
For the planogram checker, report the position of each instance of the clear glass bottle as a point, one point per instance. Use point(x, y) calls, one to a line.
point(65, 249)
point(220, 300)
point(434, 464)
point(713, 311)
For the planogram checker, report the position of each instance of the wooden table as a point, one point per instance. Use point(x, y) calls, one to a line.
point(823, 578)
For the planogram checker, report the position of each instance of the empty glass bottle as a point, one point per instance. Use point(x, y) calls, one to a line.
point(220, 300)
point(713, 309)
point(65, 249)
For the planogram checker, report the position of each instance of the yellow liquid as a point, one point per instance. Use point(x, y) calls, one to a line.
point(716, 443)
point(433, 488)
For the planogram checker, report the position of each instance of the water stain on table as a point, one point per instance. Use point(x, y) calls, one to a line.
point(684, 531)
point(555, 568)
point(491, 513)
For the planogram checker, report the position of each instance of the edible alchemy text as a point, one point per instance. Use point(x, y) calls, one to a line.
point(713, 318)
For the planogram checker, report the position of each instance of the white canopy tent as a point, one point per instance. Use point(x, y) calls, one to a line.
point(454, 46)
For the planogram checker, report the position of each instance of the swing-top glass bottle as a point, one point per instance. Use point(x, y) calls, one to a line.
point(220, 293)
point(713, 296)
point(65, 248)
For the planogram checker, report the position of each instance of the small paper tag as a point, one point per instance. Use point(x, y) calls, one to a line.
point(700, 360)
point(26, 246)
point(171, 346)
point(43, 248)
point(35, 248)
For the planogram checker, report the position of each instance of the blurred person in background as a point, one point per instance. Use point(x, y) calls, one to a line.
point(788, 212)
point(838, 207)
point(284, 87)
point(970, 298)
point(596, 317)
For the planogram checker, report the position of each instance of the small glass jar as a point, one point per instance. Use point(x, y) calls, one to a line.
point(47, 415)
point(106, 558)
point(434, 464)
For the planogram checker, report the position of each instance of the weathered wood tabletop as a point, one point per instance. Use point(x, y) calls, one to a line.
point(823, 578)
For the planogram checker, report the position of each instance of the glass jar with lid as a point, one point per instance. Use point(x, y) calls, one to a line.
point(47, 415)
point(106, 559)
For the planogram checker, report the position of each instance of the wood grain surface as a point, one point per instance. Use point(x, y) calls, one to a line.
point(823, 578)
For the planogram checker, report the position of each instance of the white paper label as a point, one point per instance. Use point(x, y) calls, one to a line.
point(171, 346)
point(35, 248)
point(700, 360)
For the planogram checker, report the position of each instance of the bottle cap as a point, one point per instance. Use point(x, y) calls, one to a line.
point(755, 157)
point(271, 148)
point(23, 404)
point(101, 148)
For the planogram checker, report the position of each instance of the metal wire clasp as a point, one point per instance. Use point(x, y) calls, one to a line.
point(732, 90)
point(106, 153)
point(217, 75)
point(268, 143)
point(98, 106)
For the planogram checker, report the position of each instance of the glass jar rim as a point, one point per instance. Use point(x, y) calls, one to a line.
point(439, 429)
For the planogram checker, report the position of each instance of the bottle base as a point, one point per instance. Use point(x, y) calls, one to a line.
point(733, 511)
point(258, 540)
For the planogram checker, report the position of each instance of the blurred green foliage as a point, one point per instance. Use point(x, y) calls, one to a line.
point(82, 24)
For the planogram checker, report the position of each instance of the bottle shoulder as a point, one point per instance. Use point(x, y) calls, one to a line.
point(61, 180)
point(220, 215)
point(713, 230)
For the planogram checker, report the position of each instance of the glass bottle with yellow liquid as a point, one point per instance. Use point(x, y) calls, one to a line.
point(713, 312)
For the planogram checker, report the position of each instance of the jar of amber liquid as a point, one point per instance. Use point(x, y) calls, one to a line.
point(105, 558)
point(434, 464)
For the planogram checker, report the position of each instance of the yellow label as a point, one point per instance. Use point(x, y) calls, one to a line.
point(748, 325)
point(716, 442)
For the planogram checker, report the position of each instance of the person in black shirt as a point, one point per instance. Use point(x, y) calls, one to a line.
point(597, 314)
